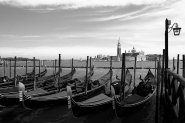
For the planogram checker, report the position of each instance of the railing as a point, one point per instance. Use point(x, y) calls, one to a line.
point(174, 95)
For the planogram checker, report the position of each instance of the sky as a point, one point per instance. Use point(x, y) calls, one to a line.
point(80, 28)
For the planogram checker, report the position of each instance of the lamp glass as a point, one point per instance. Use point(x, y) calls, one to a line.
point(176, 31)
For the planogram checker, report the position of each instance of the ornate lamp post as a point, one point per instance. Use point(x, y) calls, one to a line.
point(176, 31)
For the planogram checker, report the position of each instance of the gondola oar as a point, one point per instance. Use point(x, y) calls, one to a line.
point(86, 84)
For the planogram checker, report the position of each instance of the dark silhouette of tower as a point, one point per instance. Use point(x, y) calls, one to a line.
point(119, 48)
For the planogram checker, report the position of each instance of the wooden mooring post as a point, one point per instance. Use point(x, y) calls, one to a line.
point(39, 68)
point(10, 68)
point(15, 80)
point(183, 68)
point(178, 64)
point(157, 91)
point(34, 81)
point(162, 80)
point(26, 66)
point(173, 64)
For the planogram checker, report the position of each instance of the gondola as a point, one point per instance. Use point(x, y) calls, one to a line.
point(100, 100)
point(140, 96)
point(27, 81)
point(9, 97)
point(53, 97)
point(4, 81)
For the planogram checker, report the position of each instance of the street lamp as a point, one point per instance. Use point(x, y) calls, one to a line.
point(176, 31)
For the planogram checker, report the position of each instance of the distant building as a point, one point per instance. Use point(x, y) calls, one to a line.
point(99, 57)
point(119, 48)
point(152, 57)
point(141, 56)
point(129, 56)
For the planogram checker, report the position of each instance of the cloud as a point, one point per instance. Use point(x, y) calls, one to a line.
point(79, 3)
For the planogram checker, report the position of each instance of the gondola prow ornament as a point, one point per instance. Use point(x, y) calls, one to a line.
point(69, 94)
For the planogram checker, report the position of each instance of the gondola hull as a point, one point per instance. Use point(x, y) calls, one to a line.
point(10, 96)
point(9, 100)
point(29, 103)
point(126, 110)
point(79, 111)
point(61, 98)
point(28, 82)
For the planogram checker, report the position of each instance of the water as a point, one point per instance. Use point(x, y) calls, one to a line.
point(60, 114)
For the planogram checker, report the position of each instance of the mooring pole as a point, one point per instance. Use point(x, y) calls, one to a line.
point(34, 73)
point(135, 70)
point(122, 89)
point(4, 64)
point(26, 66)
point(10, 68)
point(173, 64)
point(39, 67)
point(177, 63)
point(90, 63)
point(59, 67)
point(183, 72)
point(55, 65)
point(155, 65)
point(163, 78)
point(111, 72)
point(43, 63)
point(86, 87)
point(157, 94)
point(15, 79)
point(59, 63)
point(72, 63)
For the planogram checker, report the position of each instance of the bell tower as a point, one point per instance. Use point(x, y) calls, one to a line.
point(119, 48)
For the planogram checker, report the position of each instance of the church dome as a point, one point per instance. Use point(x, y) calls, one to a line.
point(133, 50)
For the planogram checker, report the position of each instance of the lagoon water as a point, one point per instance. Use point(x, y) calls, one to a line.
point(60, 114)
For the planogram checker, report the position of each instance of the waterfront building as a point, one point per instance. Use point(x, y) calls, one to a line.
point(152, 57)
point(130, 55)
point(119, 48)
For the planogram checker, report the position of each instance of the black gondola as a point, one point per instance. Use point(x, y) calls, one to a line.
point(9, 97)
point(27, 80)
point(98, 100)
point(53, 97)
point(141, 95)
